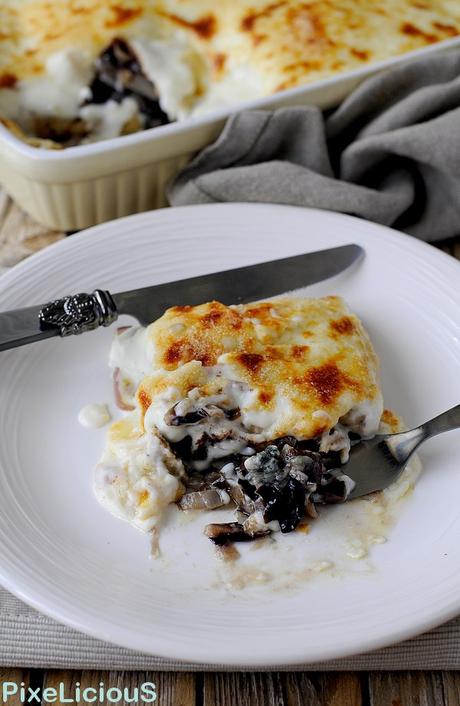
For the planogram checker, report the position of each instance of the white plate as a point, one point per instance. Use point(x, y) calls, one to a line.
point(64, 555)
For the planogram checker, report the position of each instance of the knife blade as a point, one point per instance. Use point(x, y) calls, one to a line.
point(79, 313)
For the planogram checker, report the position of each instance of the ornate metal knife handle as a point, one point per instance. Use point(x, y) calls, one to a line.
point(79, 313)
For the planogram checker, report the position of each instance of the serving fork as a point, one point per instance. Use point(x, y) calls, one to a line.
point(378, 462)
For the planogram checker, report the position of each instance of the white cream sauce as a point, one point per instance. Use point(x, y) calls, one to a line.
point(239, 84)
point(60, 91)
point(131, 353)
point(107, 120)
point(94, 416)
point(318, 552)
point(170, 67)
point(137, 479)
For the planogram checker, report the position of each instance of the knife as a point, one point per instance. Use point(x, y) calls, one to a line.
point(78, 313)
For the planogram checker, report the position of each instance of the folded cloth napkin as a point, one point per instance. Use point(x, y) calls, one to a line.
point(390, 153)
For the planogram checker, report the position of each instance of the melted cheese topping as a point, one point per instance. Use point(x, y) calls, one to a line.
point(201, 54)
point(299, 365)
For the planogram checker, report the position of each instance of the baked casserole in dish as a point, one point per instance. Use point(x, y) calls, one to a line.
point(101, 104)
point(78, 71)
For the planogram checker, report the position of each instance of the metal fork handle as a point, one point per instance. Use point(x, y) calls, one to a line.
point(443, 422)
point(403, 445)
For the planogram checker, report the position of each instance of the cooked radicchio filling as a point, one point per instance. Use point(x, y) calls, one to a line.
point(117, 75)
point(273, 485)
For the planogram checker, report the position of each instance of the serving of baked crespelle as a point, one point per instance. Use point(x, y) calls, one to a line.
point(76, 72)
point(252, 406)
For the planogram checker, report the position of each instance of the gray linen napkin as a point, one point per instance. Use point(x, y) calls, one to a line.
point(390, 153)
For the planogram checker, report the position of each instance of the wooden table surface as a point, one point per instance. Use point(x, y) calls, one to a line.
point(262, 689)
point(19, 237)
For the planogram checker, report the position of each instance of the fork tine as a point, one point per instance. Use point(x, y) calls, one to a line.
point(372, 466)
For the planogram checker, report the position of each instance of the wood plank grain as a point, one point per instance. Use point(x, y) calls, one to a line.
point(323, 689)
point(172, 688)
point(248, 689)
point(21, 677)
point(451, 686)
point(20, 235)
point(175, 688)
point(406, 689)
point(342, 689)
point(286, 689)
point(52, 679)
point(301, 689)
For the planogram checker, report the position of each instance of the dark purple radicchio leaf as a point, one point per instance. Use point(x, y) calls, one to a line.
point(285, 481)
point(119, 75)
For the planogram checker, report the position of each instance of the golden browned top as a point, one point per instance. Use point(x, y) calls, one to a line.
point(279, 44)
point(303, 363)
point(200, 333)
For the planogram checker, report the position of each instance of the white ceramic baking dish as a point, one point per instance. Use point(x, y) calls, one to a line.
point(87, 184)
